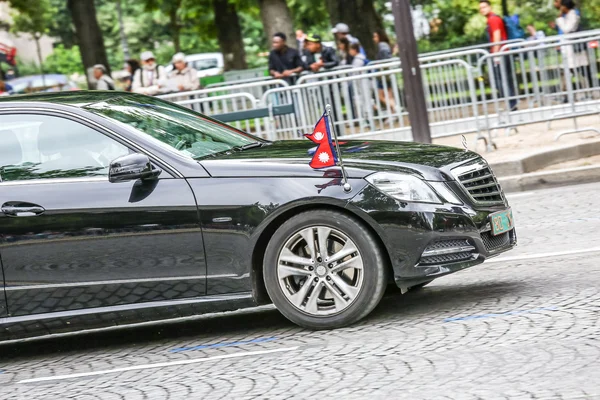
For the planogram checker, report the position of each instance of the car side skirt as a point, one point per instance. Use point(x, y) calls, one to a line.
point(121, 316)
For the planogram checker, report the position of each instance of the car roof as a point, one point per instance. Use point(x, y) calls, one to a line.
point(203, 56)
point(35, 77)
point(78, 98)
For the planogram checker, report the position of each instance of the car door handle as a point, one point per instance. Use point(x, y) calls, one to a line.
point(15, 209)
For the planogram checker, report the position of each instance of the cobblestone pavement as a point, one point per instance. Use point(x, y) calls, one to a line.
point(523, 326)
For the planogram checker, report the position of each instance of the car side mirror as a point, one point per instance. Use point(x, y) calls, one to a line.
point(132, 167)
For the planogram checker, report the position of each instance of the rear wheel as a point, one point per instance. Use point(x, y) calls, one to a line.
point(324, 270)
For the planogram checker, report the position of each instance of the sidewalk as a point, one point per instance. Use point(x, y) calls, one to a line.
point(532, 158)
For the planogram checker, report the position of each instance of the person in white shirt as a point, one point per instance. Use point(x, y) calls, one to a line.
point(151, 78)
point(103, 81)
point(182, 78)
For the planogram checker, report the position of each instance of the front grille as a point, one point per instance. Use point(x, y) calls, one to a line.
point(447, 251)
point(480, 183)
point(446, 258)
point(495, 242)
point(444, 244)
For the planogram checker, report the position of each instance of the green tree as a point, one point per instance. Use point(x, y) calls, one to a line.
point(360, 16)
point(89, 35)
point(276, 17)
point(229, 34)
point(64, 61)
point(310, 16)
point(173, 10)
point(33, 20)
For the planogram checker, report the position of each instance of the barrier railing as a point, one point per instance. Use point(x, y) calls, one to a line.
point(371, 105)
point(551, 80)
point(234, 102)
point(527, 82)
point(255, 88)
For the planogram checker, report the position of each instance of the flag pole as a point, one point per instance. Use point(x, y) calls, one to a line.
point(347, 186)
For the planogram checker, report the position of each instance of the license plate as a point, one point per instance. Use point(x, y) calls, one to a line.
point(502, 222)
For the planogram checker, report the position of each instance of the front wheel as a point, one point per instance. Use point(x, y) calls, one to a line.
point(324, 270)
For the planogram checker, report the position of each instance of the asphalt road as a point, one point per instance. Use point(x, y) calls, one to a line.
point(523, 326)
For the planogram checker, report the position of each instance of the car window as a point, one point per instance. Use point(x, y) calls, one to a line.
point(183, 130)
point(45, 147)
point(206, 63)
point(39, 82)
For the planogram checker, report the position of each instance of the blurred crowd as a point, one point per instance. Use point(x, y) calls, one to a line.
point(313, 55)
point(148, 77)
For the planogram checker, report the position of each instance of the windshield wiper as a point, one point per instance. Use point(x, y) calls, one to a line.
point(236, 148)
point(250, 146)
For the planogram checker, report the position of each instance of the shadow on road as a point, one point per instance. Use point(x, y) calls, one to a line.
point(263, 321)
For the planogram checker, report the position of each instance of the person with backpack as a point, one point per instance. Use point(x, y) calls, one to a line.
point(502, 66)
point(150, 79)
point(103, 81)
point(358, 58)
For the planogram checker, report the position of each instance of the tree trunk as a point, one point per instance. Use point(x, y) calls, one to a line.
point(122, 32)
point(229, 34)
point(175, 27)
point(89, 35)
point(361, 17)
point(276, 17)
point(505, 7)
point(40, 58)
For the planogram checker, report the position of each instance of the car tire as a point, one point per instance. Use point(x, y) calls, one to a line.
point(343, 286)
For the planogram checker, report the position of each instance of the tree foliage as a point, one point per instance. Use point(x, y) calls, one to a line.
point(165, 26)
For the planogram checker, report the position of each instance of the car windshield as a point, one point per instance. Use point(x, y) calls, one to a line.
point(189, 133)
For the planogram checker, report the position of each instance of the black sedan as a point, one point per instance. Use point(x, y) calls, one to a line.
point(118, 208)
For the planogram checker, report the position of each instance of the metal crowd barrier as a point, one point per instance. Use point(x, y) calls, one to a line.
point(254, 87)
point(527, 82)
point(372, 105)
point(228, 103)
point(541, 82)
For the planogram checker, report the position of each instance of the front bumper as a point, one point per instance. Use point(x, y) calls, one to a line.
point(417, 235)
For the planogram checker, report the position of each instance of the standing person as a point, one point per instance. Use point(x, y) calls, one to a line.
point(384, 47)
point(553, 25)
point(384, 52)
point(300, 37)
point(344, 51)
point(342, 31)
point(358, 59)
point(150, 78)
point(131, 66)
point(502, 66)
point(182, 78)
point(103, 81)
point(319, 56)
point(284, 62)
point(568, 21)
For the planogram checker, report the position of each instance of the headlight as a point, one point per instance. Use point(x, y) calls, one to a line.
point(441, 189)
point(403, 187)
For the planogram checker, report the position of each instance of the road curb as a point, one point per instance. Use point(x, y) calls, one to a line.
point(546, 179)
point(542, 159)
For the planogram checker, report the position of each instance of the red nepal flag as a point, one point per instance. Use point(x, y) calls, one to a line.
point(325, 155)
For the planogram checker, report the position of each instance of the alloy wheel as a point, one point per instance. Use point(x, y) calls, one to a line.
point(320, 270)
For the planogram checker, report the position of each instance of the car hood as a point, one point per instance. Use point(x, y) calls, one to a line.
point(291, 158)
